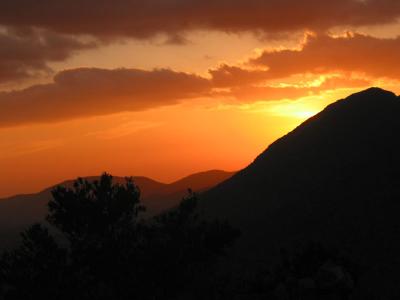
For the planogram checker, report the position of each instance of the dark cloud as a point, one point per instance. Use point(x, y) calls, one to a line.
point(323, 54)
point(46, 30)
point(143, 19)
point(25, 52)
point(91, 92)
point(319, 55)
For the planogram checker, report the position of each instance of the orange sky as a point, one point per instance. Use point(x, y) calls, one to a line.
point(188, 91)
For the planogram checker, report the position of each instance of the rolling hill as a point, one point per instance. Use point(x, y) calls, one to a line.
point(18, 212)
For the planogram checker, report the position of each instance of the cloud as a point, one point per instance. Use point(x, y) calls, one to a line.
point(343, 82)
point(34, 33)
point(144, 19)
point(320, 54)
point(230, 76)
point(91, 92)
point(26, 52)
point(87, 92)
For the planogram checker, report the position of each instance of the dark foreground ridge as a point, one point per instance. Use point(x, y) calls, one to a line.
point(335, 179)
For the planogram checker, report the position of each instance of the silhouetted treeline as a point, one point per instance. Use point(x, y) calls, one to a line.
point(98, 246)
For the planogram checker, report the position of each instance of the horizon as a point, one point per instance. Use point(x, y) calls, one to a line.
point(178, 89)
point(114, 176)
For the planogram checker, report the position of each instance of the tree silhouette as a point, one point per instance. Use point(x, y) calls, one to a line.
point(93, 210)
point(35, 268)
point(102, 247)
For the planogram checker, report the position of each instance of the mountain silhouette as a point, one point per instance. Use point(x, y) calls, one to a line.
point(335, 179)
point(21, 211)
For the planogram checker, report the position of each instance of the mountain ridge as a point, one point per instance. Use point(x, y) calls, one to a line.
point(334, 179)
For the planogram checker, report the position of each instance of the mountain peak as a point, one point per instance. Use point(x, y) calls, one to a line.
point(370, 98)
point(375, 92)
point(334, 179)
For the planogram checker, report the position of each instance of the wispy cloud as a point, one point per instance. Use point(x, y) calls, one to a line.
point(11, 150)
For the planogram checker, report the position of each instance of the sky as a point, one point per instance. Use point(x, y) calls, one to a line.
point(166, 88)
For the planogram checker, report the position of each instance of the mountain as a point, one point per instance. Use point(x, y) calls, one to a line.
point(335, 179)
point(18, 212)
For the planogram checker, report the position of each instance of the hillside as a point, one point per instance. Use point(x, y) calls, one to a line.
point(335, 179)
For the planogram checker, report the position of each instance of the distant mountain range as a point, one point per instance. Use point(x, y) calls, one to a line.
point(18, 212)
point(335, 179)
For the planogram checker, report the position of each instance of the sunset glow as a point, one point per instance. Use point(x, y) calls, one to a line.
point(159, 99)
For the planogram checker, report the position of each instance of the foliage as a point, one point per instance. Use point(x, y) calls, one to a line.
point(103, 247)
